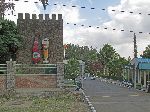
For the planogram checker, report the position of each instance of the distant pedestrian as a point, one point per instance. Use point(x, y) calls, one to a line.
point(148, 87)
point(79, 85)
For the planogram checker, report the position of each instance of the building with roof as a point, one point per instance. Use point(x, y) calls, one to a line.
point(140, 71)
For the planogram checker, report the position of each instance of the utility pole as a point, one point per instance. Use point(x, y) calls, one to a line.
point(135, 47)
point(135, 56)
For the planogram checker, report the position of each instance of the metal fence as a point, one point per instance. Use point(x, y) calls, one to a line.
point(31, 69)
point(3, 68)
point(36, 69)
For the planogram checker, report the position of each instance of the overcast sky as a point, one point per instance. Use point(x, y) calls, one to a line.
point(93, 36)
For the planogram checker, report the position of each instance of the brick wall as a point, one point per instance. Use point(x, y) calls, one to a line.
point(31, 81)
point(2, 82)
point(36, 81)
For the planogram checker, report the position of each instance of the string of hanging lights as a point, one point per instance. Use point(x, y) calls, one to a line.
point(106, 28)
point(83, 7)
point(45, 3)
point(104, 9)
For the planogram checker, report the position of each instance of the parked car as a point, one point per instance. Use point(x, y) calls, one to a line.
point(92, 78)
point(84, 78)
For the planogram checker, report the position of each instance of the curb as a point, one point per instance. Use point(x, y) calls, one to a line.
point(125, 86)
point(92, 108)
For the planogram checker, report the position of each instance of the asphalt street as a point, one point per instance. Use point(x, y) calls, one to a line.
point(108, 97)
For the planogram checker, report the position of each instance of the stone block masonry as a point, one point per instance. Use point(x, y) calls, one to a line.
point(47, 27)
point(60, 74)
point(10, 77)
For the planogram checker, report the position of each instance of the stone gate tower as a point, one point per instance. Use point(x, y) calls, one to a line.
point(47, 27)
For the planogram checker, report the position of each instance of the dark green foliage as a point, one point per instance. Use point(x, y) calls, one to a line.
point(72, 69)
point(84, 53)
point(146, 52)
point(8, 35)
point(107, 62)
point(112, 62)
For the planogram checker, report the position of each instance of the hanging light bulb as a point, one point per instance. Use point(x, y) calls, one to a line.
point(26, 1)
point(122, 11)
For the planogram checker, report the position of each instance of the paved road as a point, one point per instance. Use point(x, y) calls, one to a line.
point(112, 98)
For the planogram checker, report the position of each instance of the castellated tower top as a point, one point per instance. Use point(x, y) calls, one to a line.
point(34, 16)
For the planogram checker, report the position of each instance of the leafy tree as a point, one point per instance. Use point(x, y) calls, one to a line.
point(6, 6)
point(112, 62)
point(146, 52)
point(45, 3)
point(72, 69)
point(8, 35)
point(88, 55)
point(106, 62)
point(116, 67)
point(106, 55)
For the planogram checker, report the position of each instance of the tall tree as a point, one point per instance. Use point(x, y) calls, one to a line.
point(112, 62)
point(5, 6)
point(106, 55)
point(84, 53)
point(146, 52)
point(8, 36)
point(72, 69)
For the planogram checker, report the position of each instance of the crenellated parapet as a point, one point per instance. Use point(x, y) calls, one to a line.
point(27, 16)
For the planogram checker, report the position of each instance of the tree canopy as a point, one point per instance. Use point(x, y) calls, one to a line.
point(105, 62)
point(6, 6)
point(112, 62)
point(72, 69)
point(8, 35)
point(146, 52)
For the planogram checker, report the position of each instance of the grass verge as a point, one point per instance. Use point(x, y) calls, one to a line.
point(62, 103)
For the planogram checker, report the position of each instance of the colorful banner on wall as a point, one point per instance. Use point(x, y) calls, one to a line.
point(45, 45)
point(36, 57)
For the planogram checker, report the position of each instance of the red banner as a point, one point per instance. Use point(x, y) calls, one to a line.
point(36, 57)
